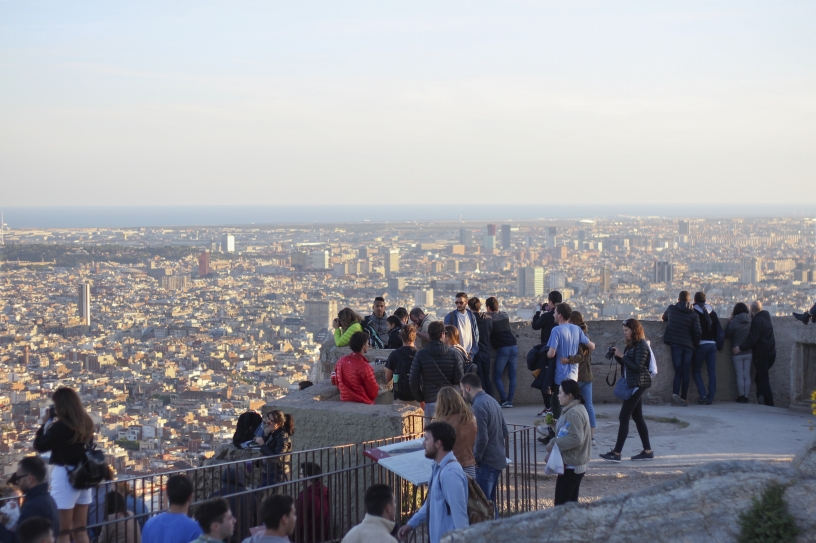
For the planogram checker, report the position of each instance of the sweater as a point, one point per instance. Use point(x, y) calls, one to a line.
point(575, 447)
point(57, 439)
point(738, 329)
point(342, 339)
point(355, 379)
point(501, 335)
point(683, 328)
point(437, 365)
point(465, 439)
point(485, 325)
point(491, 433)
point(372, 529)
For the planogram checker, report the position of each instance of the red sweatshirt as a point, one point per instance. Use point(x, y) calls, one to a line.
point(355, 379)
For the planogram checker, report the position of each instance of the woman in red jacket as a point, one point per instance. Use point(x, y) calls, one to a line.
point(354, 375)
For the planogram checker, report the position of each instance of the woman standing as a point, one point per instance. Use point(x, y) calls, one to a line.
point(278, 441)
point(573, 439)
point(584, 359)
point(452, 339)
point(634, 361)
point(347, 323)
point(119, 532)
point(451, 408)
point(66, 431)
point(738, 330)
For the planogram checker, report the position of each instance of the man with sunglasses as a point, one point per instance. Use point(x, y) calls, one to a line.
point(463, 319)
point(30, 477)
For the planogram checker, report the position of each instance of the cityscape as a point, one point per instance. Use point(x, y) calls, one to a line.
point(171, 333)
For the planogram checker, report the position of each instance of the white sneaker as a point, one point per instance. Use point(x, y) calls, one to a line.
point(594, 443)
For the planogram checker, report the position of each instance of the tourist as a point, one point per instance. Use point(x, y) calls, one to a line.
point(491, 435)
point(445, 508)
point(347, 323)
point(544, 320)
point(215, 520)
point(380, 517)
point(434, 367)
point(806, 316)
point(563, 343)
point(30, 477)
point(402, 314)
point(36, 530)
point(66, 431)
point(634, 361)
point(118, 532)
point(738, 330)
point(762, 344)
point(452, 408)
point(354, 375)
point(422, 322)
point(706, 350)
point(453, 340)
point(682, 334)
point(241, 504)
point(394, 327)
point(398, 366)
point(504, 342)
point(279, 518)
point(482, 358)
point(584, 359)
point(280, 428)
point(572, 437)
point(313, 506)
point(174, 525)
point(377, 321)
point(463, 319)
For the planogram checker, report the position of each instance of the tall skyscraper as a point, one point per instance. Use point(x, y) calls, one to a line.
point(684, 228)
point(319, 314)
point(203, 264)
point(556, 281)
point(505, 237)
point(606, 279)
point(465, 237)
point(552, 240)
point(391, 262)
point(424, 298)
point(228, 243)
point(395, 286)
point(663, 272)
point(320, 260)
point(530, 281)
point(491, 229)
point(84, 301)
point(751, 271)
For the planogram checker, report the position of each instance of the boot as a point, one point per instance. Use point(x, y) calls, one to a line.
point(804, 317)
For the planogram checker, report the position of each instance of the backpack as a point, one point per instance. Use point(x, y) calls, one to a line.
point(402, 387)
point(479, 508)
point(374, 340)
point(91, 470)
point(245, 428)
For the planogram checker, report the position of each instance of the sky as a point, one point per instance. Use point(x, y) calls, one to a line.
point(270, 103)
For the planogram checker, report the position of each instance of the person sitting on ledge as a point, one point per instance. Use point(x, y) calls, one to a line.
point(354, 375)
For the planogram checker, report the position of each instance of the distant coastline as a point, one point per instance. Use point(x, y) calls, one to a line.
point(260, 215)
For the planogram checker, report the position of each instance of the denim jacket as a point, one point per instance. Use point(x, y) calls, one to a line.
point(445, 508)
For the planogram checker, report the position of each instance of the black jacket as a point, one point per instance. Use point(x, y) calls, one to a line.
point(683, 328)
point(501, 336)
point(708, 328)
point(58, 440)
point(544, 321)
point(635, 362)
point(761, 338)
point(278, 442)
point(435, 366)
point(485, 325)
point(394, 339)
point(38, 503)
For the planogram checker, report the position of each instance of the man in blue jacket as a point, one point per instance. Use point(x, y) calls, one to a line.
point(30, 477)
point(463, 319)
point(445, 509)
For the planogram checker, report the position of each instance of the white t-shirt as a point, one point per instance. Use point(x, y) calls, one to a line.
point(465, 333)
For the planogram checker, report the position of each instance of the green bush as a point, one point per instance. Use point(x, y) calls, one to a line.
point(768, 519)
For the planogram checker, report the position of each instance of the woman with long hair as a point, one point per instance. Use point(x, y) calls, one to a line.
point(347, 323)
point(119, 532)
point(737, 330)
point(584, 359)
point(66, 431)
point(279, 427)
point(452, 408)
point(453, 340)
point(572, 435)
point(634, 361)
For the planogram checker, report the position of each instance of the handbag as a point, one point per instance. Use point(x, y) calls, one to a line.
point(622, 390)
point(91, 469)
point(555, 463)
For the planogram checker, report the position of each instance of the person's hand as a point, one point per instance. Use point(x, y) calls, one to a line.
point(735, 350)
point(336, 323)
point(618, 352)
point(47, 416)
point(565, 360)
point(422, 405)
point(547, 458)
point(404, 532)
point(259, 440)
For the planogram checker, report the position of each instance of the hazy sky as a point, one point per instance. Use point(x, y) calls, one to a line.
point(274, 102)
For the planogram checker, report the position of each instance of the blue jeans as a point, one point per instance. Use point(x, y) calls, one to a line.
point(482, 361)
point(706, 352)
point(586, 393)
point(487, 478)
point(506, 356)
point(681, 358)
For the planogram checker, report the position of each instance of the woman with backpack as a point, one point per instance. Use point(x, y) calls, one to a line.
point(347, 323)
point(451, 408)
point(398, 366)
point(66, 432)
point(278, 441)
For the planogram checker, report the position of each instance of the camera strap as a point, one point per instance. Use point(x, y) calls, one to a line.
point(615, 378)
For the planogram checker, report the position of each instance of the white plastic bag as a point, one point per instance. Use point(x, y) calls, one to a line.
point(652, 362)
point(555, 464)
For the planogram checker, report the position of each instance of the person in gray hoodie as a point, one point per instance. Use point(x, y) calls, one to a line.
point(279, 518)
point(682, 333)
point(737, 330)
point(573, 434)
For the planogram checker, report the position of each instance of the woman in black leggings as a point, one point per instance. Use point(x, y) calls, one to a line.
point(635, 369)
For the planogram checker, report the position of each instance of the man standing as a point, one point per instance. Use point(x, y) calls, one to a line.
point(377, 319)
point(463, 319)
point(491, 435)
point(762, 343)
point(544, 320)
point(445, 509)
point(378, 523)
point(216, 521)
point(279, 518)
point(422, 322)
point(683, 335)
point(482, 358)
point(174, 526)
point(563, 343)
point(30, 478)
point(706, 350)
point(354, 375)
point(437, 365)
point(503, 340)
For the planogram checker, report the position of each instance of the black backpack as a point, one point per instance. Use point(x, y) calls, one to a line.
point(374, 340)
point(92, 469)
point(245, 429)
point(402, 388)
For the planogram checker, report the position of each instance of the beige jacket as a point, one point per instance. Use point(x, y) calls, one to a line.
point(575, 447)
point(373, 529)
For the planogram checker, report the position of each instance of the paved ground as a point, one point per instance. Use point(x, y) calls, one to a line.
point(716, 432)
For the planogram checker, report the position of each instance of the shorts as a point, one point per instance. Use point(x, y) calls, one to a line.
point(64, 494)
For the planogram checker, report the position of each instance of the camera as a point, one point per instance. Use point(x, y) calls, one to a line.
point(610, 353)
